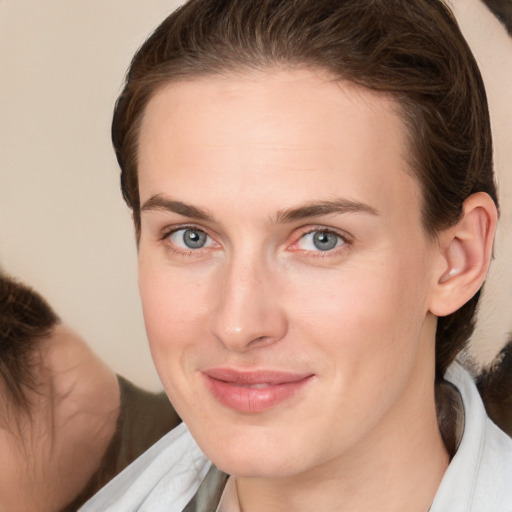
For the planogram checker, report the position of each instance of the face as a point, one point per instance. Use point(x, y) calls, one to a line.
point(284, 272)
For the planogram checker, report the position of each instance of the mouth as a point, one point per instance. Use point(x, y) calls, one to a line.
point(254, 391)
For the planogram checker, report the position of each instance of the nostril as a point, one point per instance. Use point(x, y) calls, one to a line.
point(260, 340)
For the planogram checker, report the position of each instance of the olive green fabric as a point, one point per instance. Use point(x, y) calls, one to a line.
point(144, 418)
point(210, 491)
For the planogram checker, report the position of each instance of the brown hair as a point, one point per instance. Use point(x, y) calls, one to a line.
point(412, 50)
point(495, 387)
point(25, 319)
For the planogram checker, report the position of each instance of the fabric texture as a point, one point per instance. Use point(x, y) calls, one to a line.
point(479, 477)
point(144, 418)
point(229, 501)
point(175, 476)
point(163, 479)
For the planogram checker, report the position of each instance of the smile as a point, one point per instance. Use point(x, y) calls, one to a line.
point(253, 392)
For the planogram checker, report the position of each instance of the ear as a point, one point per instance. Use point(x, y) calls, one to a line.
point(466, 252)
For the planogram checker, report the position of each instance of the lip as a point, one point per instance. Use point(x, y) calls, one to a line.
point(253, 391)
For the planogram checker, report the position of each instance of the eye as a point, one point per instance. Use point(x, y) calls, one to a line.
point(320, 240)
point(190, 238)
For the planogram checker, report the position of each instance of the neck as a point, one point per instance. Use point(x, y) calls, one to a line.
point(404, 477)
point(397, 466)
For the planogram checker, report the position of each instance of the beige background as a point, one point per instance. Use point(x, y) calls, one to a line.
point(63, 225)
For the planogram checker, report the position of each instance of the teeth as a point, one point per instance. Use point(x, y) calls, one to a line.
point(256, 386)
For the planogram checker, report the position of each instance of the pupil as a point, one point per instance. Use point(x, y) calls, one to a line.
point(325, 241)
point(194, 239)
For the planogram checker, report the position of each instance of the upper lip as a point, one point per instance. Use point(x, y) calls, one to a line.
point(252, 377)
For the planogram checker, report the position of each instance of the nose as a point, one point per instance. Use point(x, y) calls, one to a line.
point(248, 313)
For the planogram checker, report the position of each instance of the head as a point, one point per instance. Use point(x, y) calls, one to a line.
point(58, 404)
point(25, 319)
point(412, 51)
point(404, 62)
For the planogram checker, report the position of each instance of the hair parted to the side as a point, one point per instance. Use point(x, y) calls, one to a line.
point(412, 50)
point(25, 319)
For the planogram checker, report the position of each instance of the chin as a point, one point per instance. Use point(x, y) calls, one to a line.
point(255, 467)
point(251, 453)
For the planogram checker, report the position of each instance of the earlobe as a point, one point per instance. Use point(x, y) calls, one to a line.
point(466, 251)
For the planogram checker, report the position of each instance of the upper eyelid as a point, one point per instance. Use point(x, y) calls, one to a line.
point(302, 231)
point(305, 230)
point(343, 237)
point(169, 230)
point(164, 238)
point(326, 229)
point(346, 239)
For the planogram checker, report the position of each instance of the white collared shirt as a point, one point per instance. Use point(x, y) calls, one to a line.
point(162, 479)
point(479, 477)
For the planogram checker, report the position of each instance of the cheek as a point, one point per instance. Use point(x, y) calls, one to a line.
point(174, 307)
point(174, 321)
point(368, 327)
point(352, 297)
point(362, 313)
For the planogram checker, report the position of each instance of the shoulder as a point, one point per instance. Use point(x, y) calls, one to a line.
point(164, 478)
point(493, 482)
point(478, 478)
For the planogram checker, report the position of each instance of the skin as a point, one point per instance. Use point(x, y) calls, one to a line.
point(47, 459)
point(246, 150)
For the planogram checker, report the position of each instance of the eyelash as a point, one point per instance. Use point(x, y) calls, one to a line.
point(344, 238)
point(172, 248)
point(346, 242)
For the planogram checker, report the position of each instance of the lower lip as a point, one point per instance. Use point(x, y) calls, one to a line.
point(253, 400)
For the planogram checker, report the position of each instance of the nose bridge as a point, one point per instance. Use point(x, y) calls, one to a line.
point(247, 312)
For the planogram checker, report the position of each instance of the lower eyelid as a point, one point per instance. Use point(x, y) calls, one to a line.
point(178, 249)
point(342, 243)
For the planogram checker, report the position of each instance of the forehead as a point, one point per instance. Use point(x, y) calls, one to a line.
point(251, 135)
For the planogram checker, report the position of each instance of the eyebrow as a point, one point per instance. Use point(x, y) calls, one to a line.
point(160, 202)
point(318, 208)
point(306, 211)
